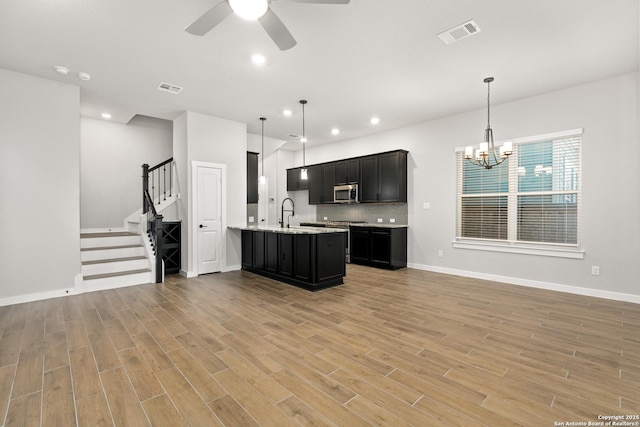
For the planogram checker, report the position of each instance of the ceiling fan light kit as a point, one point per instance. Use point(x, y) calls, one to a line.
point(254, 10)
point(249, 9)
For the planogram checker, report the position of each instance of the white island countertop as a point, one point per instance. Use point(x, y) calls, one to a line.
point(290, 230)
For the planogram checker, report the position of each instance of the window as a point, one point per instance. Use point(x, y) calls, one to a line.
point(528, 204)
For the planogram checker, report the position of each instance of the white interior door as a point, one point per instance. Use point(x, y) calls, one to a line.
point(209, 219)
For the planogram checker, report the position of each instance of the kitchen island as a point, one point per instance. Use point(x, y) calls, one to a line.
point(312, 258)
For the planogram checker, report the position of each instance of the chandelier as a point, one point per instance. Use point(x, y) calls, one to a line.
point(487, 156)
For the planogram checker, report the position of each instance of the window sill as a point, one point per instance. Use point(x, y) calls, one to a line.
point(551, 251)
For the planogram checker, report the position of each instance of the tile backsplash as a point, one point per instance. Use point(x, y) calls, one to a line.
point(367, 212)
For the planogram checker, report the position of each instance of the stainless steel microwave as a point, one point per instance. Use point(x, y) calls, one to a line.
point(345, 193)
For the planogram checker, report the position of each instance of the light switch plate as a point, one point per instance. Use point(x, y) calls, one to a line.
point(252, 219)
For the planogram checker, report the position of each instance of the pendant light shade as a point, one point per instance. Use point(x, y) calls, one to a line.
point(262, 179)
point(303, 171)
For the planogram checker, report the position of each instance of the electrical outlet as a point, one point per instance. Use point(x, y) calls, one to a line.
point(426, 206)
point(325, 218)
point(379, 219)
point(595, 270)
point(251, 219)
point(392, 220)
point(440, 253)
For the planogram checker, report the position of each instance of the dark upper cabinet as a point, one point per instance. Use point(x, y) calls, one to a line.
point(393, 176)
point(383, 177)
point(328, 181)
point(321, 182)
point(314, 175)
point(369, 184)
point(252, 177)
point(347, 171)
point(294, 182)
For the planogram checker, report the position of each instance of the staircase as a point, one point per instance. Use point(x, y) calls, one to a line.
point(113, 259)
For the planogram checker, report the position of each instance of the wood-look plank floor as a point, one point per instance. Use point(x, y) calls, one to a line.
point(386, 348)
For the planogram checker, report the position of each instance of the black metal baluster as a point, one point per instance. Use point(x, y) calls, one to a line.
point(170, 178)
point(164, 181)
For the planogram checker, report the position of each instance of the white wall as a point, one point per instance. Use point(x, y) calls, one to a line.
point(40, 197)
point(608, 112)
point(112, 155)
point(198, 137)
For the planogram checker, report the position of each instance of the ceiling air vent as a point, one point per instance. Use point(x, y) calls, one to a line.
point(167, 87)
point(294, 136)
point(460, 32)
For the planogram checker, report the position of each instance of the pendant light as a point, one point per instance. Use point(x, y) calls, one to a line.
point(303, 171)
point(263, 178)
point(487, 156)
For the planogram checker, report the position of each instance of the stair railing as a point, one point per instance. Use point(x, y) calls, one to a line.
point(156, 175)
point(154, 231)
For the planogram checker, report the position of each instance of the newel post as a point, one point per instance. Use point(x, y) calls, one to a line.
point(145, 186)
point(159, 231)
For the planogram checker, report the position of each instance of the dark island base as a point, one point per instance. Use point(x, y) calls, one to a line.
point(300, 284)
point(309, 261)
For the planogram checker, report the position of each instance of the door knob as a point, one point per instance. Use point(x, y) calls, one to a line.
point(203, 226)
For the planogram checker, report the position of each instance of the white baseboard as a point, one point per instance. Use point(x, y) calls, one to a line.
point(188, 274)
point(616, 296)
point(20, 299)
point(231, 268)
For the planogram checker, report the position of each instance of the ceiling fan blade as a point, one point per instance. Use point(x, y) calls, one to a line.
point(277, 31)
point(210, 19)
point(317, 1)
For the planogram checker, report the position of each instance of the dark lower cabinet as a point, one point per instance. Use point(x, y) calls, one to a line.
point(171, 239)
point(379, 247)
point(253, 249)
point(286, 255)
point(271, 252)
point(309, 261)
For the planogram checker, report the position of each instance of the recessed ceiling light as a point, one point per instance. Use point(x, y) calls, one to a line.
point(303, 139)
point(287, 113)
point(335, 131)
point(61, 70)
point(105, 115)
point(258, 59)
point(375, 120)
point(84, 76)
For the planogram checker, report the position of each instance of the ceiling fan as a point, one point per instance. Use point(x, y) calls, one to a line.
point(252, 10)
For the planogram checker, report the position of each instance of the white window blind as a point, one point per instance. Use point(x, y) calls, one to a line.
point(531, 198)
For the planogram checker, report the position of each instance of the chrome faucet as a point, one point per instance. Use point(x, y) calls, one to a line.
point(282, 211)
